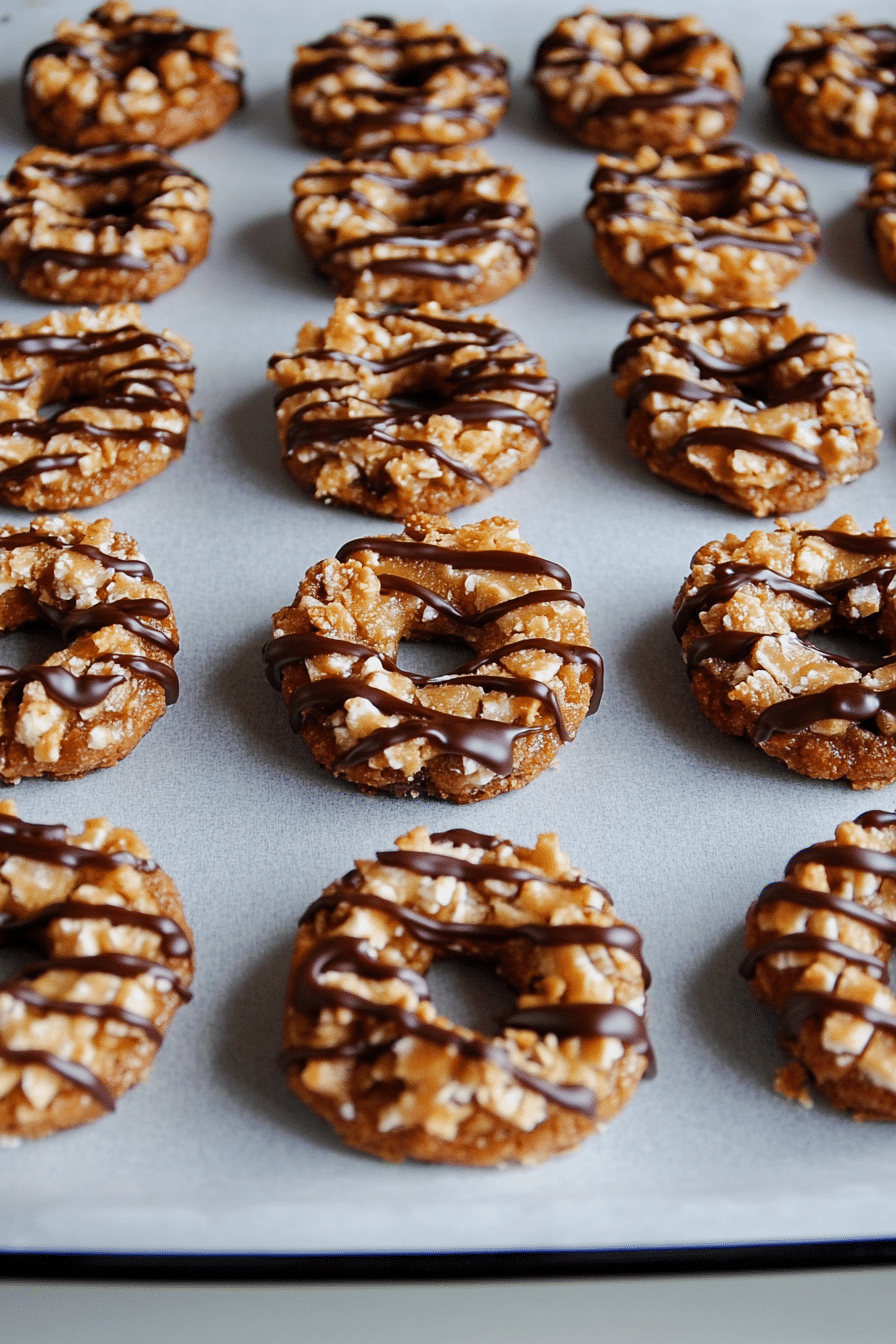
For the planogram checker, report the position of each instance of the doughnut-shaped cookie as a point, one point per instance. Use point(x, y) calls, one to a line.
point(379, 81)
point(121, 77)
point(879, 202)
point(87, 706)
point(834, 88)
point(617, 82)
point(491, 725)
point(728, 227)
point(122, 417)
point(104, 226)
point(365, 1047)
point(83, 1023)
point(402, 412)
point(819, 944)
point(746, 404)
point(745, 618)
point(415, 226)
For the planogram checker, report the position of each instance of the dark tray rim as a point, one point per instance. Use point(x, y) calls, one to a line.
point(439, 1266)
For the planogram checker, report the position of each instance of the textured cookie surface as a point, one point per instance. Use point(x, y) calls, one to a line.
point(617, 82)
point(818, 948)
point(91, 404)
point(120, 78)
point(82, 1025)
point(401, 412)
point(750, 405)
point(494, 723)
point(87, 706)
point(365, 1046)
point(746, 617)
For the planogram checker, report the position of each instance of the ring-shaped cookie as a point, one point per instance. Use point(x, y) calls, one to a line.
point(834, 88)
point(746, 617)
point(104, 226)
point(879, 203)
point(377, 82)
point(120, 396)
point(413, 411)
point(121, 77)
point(619, 81)
point(365, 1047)
point(82, 1025)
point(729, 227)
point(87, 706)
point(747, 404)
point(491, 725)
point(416, 226)
point(818, 947)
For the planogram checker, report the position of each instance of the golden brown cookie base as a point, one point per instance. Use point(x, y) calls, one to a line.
point(746, 618)
point(397, 1079)
point(529, 679)
point(155, 230)
point(124, 78)
point(834, 89)
point(879, 203)
point(450, 227)
point(124, 414)
point(372, 420)
point(104, 987)
point(376, 82)
point(751, 406)
point(86, 707)
point(727, 227)
point(819, 944)
point(617, 83)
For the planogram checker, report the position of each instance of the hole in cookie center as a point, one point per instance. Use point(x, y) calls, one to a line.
point(426, 400)
point(848, 646)
point(29, 645)
point(430, 658)
point(111, 208)
point(471, 994)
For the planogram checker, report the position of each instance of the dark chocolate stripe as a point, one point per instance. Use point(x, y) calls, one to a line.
point(66, 1068)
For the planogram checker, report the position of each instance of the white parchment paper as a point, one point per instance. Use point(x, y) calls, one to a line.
point(683, 825)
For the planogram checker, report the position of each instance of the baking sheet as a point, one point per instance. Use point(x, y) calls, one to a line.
point(684, 826)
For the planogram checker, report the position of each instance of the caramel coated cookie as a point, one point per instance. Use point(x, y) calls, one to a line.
point(745, 618)
point(416, 227)
point(365, 1047)
point(378, 81)
point(617, 82)
point(728, 227)
point(491, 725)
point(120, 77)
point(81, 1026)
point(879, 203)
point(121, 396)
point(747, 404)
point(104, 226)
point(87, 706)
point(819, 945)
point(834, 87)
point(399, 412)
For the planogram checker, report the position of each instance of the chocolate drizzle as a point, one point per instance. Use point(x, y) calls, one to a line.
point(751, 386)
point(308, 993)
point(406, 89)
point(128, 46)
point(666, 62)
point(49, 845)
point(134, 181)
point(850, 701)
point(82, 692)
point(803, 1005)
point(460, 393)
point(725, 193)
point(486, 741)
